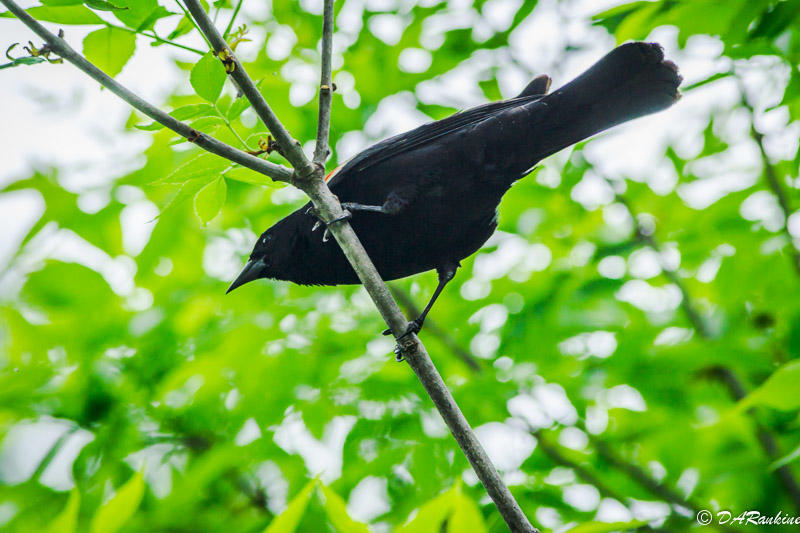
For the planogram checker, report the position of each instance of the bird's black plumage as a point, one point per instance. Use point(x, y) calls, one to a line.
point(431, 194)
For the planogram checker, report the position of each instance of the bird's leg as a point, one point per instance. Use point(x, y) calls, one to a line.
point(446, 273)
point(394, 204)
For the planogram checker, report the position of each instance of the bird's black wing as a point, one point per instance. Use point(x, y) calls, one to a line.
point(424, 134)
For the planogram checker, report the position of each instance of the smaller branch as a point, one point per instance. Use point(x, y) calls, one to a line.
point(189, 17)
point(321, 151)
point(773, 182)
point(204, 141)
point(649, 483)
point(432, 328)
point(233, 19)
point(290, 148)
point(768, 443)
point(157, 38)
point(230, 127)
point(636, 473)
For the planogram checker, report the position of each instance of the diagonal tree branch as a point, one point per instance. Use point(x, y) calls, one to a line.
point(289, 148)
point(204, 141)
point(321, 150)
point(552, 451)
point(309, 178)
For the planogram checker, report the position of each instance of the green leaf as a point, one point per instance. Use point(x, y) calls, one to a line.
point(109, 48)
point(336, 509)
point(112, 515)
point(182, 113)
point(62, 2)
point(431, 515)
point(466, 516)
point(710, 79)
point(102, 5)
point(289, 519)
point(207, 123)
point(22, 61)
point(61, 15)
point(185, 191)
point(210, 199)
point(607, 527)
point(67, 519)
point(238, 107)
point(140, 14)
point(247, 176)
point(205, 165)
point(208, 77)
point(780, 391)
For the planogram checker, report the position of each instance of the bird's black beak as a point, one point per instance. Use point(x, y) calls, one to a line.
point(252, 270)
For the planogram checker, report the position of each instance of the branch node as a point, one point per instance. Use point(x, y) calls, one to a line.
point(228, 61)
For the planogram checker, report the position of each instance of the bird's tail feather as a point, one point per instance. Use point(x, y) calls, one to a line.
point(631, 81)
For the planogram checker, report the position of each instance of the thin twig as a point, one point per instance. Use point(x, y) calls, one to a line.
point(636, 473)
point(191, 20)
point(157, 38)
point(204, 141)
point(653, 486)
point(289, 148)
point(321, 150)
point(768, 443)
point(233, 19)
point(554, 453)
point(230, 127)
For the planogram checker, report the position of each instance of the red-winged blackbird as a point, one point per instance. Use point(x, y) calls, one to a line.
point(428, 198)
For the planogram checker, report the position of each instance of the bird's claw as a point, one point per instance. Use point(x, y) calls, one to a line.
point(326, 235)
point(413, 327)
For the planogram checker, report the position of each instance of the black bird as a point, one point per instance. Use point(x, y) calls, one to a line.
point(428, 198)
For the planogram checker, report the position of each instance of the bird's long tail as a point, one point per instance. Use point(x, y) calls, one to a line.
point(631, 81)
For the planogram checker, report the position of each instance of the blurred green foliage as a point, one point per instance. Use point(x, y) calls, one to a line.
point(179, 392)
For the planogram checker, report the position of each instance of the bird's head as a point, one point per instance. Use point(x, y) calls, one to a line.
point(261, 262)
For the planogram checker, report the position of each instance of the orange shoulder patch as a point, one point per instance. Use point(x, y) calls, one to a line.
point(333, 172)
